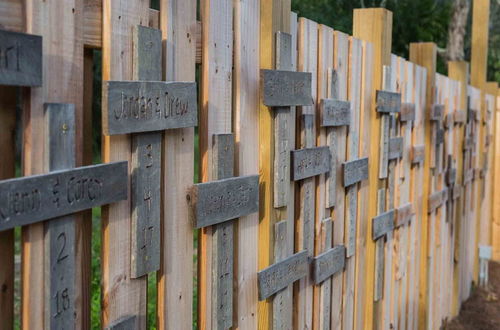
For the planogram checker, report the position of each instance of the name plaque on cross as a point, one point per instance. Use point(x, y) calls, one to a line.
point(20, 59)
point(437, 199)
point(219, 201)
point(335, 113)
point(437, 111)
point(382, 224)
point(145, 106)
point(355, 171)
point(310, 162)
point(395, 147)
point(388, 101)
point(417, 154)
point(328, 263)
point(281, 274)
point(407, 112)
point(286, 88)
point(31, 199)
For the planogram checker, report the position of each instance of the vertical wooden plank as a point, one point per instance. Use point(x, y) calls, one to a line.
point(274, 17)
point(479, 47)
point(496, 181)
point(305, 207)
point(424, 54)
point(282, 301)
point(60, 234)
point(363, 195)
point(340, 64)
point(245, 124)
point(121, 295)
point(375, 26)
point(62, 82)
point(215, 118)
point(460, 72)
point(175, 289)
point(7, 171)
point(323, 229)
point(351, 201)
point(146, 164)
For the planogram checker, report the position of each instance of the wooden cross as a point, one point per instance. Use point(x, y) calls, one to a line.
point(217, 204)
point(145, 108)
point(55, 197)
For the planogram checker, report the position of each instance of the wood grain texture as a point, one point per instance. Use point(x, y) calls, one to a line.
point(124, 323)
point(396, 147)
point(355, 171)
point(407, 112)
point(245, 125)
point(121, 296)
point(335, 112)
point(383, 224)
point(309, 162)
point(282, 301)
point(388, 101)
point(175, 299)
point(21, 62)
point(285, 88)
point(328, 263)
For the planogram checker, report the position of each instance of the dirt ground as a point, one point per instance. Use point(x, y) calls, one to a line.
point(482, 310)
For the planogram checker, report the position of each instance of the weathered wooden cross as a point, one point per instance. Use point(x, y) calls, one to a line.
point(145, 108)
point(217, 204)
point(55, 197)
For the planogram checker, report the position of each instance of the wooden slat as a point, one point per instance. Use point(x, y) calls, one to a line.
point(215, 118)
point(7, 170)
point(245, 124)
point(62, 82)
point(175, 287)
point(121, 295)
point(496, 180)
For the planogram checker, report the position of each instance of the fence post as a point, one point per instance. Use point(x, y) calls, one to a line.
point(7, 170)
point(459, 71)
point(496, 181)
point(373, 25)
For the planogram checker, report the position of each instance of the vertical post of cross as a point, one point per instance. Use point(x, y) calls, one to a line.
point(60, 242)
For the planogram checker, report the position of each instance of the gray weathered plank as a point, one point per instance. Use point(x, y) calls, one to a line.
point(437, 199)
point(309, 162)
point(331, 137)
point(439, 136)
point(146, 199)
point(60, 233)
point(147, 53)
point(328, 263)
point(124, 323)
point(286, 88)
point(20, 59)
point(451, 176)
point(456, 192)
point(282, 301)
point(355, 171)
point(282, 125)
point(404, 214)
point(379, 252)
point(437, 112)
point(385, 121)
point(396, 147)
point(407, 112)
point(146, 164)
point(223, 241)
point(145, 106)
point(36, 198)
point(417, 154)
point(388, 101)
point(335, 112)
point(279, 275)
point(382, 224)
point(448, 121)
point(222, 200)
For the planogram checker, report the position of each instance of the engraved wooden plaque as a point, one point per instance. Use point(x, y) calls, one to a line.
point(145, 106)
point(417, 154)
point(219, 201)
point(407, 112)
point(437, 111)
point(404, 214)
point(388, 101)
point(328, 263)
point(310, 162)
point(382, 224)
point(355, 171)
point(279, 275)
point(36, 198)
point(20, 59)
point(286, 88)
point(395, 147)
point(335, 113)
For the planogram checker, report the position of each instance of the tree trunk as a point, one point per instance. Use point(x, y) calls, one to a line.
point(456, 30)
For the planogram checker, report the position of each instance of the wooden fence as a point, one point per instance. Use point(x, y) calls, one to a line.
point(341, 186)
